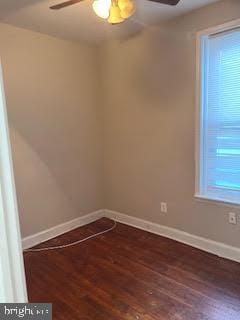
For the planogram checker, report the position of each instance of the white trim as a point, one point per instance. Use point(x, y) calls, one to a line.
point(197, 115)
point(12, 275)
point(217, 248)
point(217, 201)
point(202, 36)
point(53, 232)
point(219, 28)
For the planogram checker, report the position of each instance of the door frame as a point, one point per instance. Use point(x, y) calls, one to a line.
point(12, 273)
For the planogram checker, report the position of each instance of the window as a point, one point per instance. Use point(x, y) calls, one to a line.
point(219, 130)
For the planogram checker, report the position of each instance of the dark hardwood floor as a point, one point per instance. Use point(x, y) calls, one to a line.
point(132, 275)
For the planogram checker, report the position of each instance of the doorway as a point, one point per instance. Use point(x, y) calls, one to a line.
point(12, 275)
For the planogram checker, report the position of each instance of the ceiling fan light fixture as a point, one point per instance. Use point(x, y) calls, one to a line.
point(102, 8)
point(115, 11)
point(127, 8)
point(115, 14)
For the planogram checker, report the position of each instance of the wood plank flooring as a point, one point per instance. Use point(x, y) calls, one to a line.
point(130, 274)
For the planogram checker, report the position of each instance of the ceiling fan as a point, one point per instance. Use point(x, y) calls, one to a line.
point(115, 11)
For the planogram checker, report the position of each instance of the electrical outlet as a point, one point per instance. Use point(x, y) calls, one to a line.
point(164, 207)
point(232, 218)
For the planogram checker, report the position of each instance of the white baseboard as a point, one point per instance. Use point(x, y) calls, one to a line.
point(53, 232)
point(217, 248)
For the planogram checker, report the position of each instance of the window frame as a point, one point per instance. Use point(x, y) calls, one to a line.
point(201, 38)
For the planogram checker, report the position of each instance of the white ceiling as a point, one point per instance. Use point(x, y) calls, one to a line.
point(79, 22)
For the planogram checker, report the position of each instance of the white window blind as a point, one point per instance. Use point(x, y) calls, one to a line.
point(220, 117)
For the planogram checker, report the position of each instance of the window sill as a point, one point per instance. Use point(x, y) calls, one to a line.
point(216, 201)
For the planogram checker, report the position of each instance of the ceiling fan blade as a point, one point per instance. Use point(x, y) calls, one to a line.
point(169, 2)
point(64, 4)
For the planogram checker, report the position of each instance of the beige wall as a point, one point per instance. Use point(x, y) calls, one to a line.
point(140, 106)
point(149, 126)
point(52, 98)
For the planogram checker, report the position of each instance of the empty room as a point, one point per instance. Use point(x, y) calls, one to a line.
point(120, 159)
